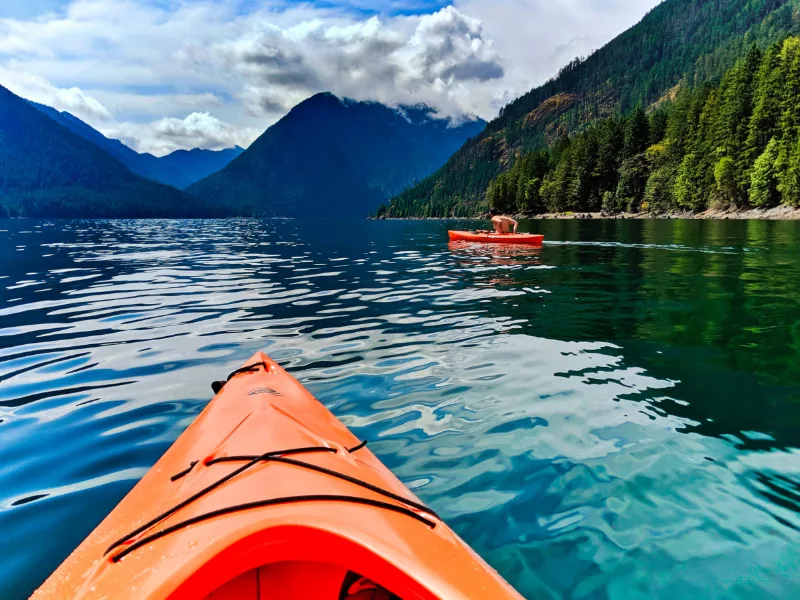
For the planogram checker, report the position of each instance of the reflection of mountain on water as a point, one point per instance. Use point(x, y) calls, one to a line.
point(711, 307)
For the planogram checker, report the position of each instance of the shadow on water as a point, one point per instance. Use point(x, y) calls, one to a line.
point(614, 415)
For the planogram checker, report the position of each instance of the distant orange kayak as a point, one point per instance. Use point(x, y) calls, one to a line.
point(497, 238)
point(268, 496)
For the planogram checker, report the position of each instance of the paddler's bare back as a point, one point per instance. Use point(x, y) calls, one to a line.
point(502, 223)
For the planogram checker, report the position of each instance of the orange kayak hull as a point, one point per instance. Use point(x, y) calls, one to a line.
point(268, 495)
point(529, 239)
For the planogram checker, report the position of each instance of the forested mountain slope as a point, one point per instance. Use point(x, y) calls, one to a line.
point(686, 42)
point(47, 170)
point(335, 157)
point(179, 169)
point(736, 145)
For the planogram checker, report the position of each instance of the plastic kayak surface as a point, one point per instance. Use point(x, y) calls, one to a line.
point(530, 239)
point(268, 496)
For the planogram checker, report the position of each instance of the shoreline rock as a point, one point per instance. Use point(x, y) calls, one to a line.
point(778, 213)
point(782, 213)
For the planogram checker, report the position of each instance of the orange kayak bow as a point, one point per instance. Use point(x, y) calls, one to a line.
point(268, 496)
point(530, 239)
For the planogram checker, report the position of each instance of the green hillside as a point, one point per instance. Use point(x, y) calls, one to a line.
point(179, 169)
point(731, 145)
point(335, 157)
point(680, 44)
point(49, 171)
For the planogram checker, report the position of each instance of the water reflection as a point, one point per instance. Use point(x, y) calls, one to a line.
point(615, 415)
point(498, 262)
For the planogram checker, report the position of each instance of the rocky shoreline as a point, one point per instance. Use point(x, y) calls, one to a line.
point(778, 213)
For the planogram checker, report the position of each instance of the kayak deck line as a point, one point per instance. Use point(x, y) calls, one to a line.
point(212, 461)
point(363, 444)
point(313, 515)
point(250, 457)
point(185, 472)
point(218, 385)
point(274, 456)
point(264, 503)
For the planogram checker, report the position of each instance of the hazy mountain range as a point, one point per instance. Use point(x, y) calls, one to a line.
point(328, 156)
point(178, 169)
point(642, 120)
point(46, 170)
point(331, 156)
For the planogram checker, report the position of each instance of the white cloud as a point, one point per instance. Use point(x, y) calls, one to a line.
point(198, 130)
point(538, 37)
point(145, 70)
point(433, 58)
point(37, 88)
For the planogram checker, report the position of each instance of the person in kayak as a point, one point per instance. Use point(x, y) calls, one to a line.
point(502, 223)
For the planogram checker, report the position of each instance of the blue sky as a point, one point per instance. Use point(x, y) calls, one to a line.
point(25, 9)
point(169, 74)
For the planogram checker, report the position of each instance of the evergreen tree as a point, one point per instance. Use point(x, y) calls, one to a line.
point(706, 147)
point(637, 133)
point(789, 185)
point(725, 177)
point(658, 191)
point(611, 140)
point(735, 106)
point(633, 177)
point(763, 182)
point(658, 125)
point(763, 125)
point(688, 186)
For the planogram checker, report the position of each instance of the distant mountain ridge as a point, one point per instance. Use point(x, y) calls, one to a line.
point(678, 43)
point(182, 168)
point(47, 170)
point(179, 169)
point(330, 156)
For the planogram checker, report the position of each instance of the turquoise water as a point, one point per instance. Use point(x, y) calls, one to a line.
point(616, 415)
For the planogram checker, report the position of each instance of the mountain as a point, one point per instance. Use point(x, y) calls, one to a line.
point(332, 156)
point(732, 145)
point(182, 168)
point(179, 169)
point(46, 170)
point(679, 44)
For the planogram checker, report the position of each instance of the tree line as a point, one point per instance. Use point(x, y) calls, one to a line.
point(687, 41)
point(735, 144)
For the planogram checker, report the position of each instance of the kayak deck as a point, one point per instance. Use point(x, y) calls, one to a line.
point(529, 239)
point(268, 495)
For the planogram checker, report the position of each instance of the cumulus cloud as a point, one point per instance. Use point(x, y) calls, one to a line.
point(37, 88)
point(538, 37)
point(176, 74)
point(401, 60)
point(449, 46)
point(197, 130)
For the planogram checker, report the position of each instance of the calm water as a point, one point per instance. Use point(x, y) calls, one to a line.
point(616, 415)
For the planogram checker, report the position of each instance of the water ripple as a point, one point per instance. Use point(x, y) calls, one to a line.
point(615, 415)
